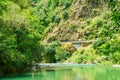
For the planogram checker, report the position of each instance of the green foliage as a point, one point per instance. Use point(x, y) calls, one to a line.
point(50, 11)
point(109, 47)
point(55, 44)
point(109, 42)
point(72, 27)
point(3, 6)
point(115, 58)
point(25, 23)
point(85, 55)
point(62, 54)
point(65, 3)
point(54, 52)
point(57, 19)
point(49, 55)
point(19, 38)
point(98, 43)
point(116, 12)
point(82, 58)
point(103, 28)
point(65, 14)
point(22, 3)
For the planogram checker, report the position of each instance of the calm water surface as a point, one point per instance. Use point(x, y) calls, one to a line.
point(69, 72)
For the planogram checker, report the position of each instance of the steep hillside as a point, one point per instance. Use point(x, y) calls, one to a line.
point(72, 20)
point(82, 19)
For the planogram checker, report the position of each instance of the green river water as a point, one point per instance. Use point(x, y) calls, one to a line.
point(69, 72)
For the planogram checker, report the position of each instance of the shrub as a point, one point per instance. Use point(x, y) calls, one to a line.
point(57, 19)
point(49, 55)
point(84, 55)
point(55, 44)
point(109, 46)
point(65, 14)
point(72, 27)
point(69, 47)
point(99, 42)
point(89, 21)
point(3, 5)
point(115, 58)
point(65, 3)
point(61, 54)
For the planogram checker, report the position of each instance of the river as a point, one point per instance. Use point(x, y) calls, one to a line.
point(69, 72)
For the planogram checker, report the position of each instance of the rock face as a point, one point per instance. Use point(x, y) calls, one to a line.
point(80, 15)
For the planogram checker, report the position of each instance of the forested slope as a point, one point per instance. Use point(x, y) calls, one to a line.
point(97, 20)
point(25, 25)
point(77, 19)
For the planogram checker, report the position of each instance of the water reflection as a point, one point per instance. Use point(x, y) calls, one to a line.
point(70, 73)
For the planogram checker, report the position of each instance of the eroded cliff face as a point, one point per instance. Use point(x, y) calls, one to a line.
point(82, 17)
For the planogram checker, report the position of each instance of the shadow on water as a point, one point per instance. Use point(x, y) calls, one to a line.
point(69, 72)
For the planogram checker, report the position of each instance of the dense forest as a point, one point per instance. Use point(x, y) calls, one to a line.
point(27, 25)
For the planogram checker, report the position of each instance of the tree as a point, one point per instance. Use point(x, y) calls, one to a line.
point(3, 6)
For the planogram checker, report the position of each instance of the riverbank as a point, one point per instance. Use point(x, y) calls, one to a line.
point(39, 66)
point(68, 72)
